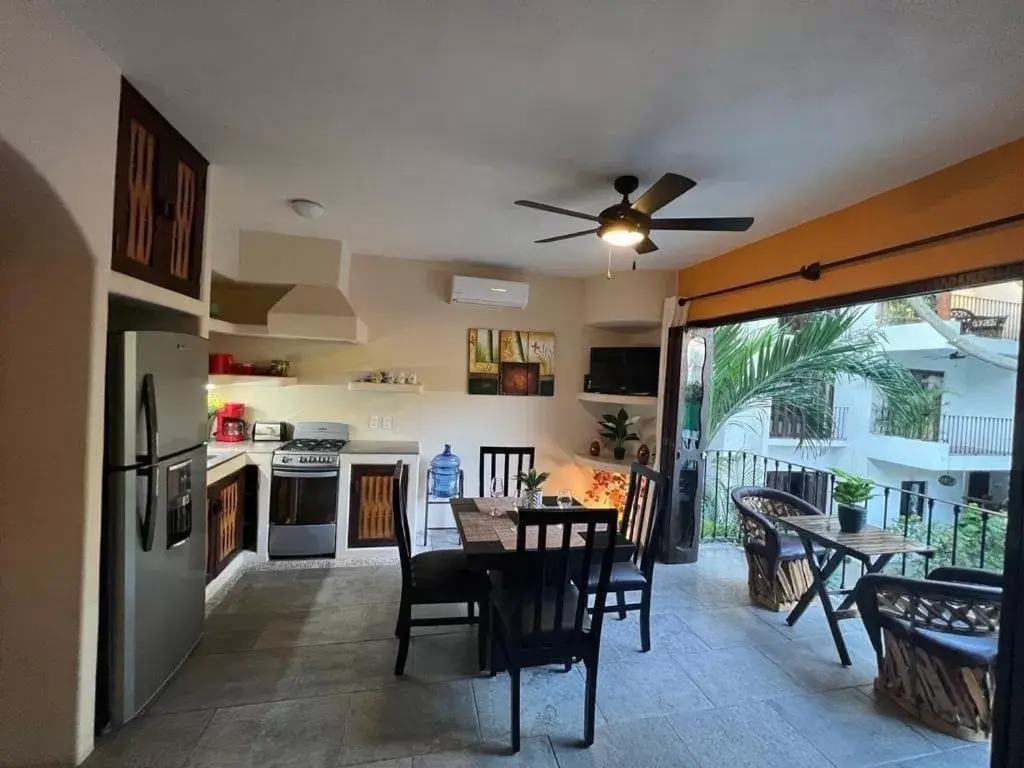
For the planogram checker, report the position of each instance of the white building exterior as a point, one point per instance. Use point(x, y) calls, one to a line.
point(967, 454)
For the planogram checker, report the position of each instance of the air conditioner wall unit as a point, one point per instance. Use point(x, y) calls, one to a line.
point(489, 293)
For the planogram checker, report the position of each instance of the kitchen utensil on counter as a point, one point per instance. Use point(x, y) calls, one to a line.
point(269, 432)
point(221, 363)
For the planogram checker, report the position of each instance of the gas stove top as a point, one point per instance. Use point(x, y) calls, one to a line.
point(317, 445)
point(312, 446)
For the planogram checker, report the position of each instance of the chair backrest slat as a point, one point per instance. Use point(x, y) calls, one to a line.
point(643, 518)
point(490, 455)
point(402, 535)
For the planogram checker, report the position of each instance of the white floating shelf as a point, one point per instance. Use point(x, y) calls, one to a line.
point(595, 397)
point(218, 380)
point(372, 386)
point(602, 462)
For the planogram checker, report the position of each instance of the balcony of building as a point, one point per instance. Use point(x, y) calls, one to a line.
point(993, 324)
point(786, 427)
point(947, 442)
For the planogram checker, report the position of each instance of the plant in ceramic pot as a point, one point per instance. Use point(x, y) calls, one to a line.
point(851, 493)
point(615, 428)
point(532, 482)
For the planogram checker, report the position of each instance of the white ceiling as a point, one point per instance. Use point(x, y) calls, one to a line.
point(418, 122)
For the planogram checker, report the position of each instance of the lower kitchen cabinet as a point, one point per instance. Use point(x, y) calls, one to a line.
point(225, 520)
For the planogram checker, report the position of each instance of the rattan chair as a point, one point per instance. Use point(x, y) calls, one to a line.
point(936, 641)
point(777, 569)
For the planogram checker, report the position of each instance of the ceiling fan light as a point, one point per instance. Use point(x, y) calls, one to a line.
point(621, 235)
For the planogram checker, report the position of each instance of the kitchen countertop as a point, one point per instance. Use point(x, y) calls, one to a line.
point(393, 447)
point(246, 446)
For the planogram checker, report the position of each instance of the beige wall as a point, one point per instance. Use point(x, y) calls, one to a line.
point(413, 328)
point(58, 122)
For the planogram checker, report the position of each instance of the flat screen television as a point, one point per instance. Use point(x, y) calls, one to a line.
point(624, 370)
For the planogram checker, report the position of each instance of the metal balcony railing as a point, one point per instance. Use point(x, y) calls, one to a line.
point(965, 435)
point(963, 533)
point(785, 423)
point(978, 316)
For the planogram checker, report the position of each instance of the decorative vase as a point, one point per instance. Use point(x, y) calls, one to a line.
point(852, 519)
point(444, 474)
point(531, 498)
point(620, 452)
point(643, 454)
point(595, 448)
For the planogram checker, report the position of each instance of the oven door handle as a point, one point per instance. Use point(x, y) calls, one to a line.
point(304, 475)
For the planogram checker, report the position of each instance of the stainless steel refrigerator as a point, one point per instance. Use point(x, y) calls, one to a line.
point(153, 563)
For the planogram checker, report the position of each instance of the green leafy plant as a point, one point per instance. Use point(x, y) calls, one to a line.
point(694, 392)
point(851, 489)
point(532, 480)
point(616, 427)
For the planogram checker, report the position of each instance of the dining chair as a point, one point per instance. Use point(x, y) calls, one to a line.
point(537, 614)
point(504, 463)
point(777, 570)
point(641, 523)
point(431, 578)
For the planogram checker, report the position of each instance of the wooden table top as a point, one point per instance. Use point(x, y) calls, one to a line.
point(484, 532)
point(869, 542)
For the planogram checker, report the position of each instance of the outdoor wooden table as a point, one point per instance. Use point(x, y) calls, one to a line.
point(872, 546)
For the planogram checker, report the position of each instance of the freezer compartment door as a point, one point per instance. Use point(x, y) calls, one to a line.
point(156, 404)
point(158, 593)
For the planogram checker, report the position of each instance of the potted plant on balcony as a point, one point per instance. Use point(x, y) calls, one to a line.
point(615, 427)
point(851, 492)
point(531, 483)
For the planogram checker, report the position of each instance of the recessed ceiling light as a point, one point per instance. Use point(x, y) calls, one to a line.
point(307, 209)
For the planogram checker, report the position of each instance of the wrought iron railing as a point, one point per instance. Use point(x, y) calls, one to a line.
point(961, 533)
point(785, 423)
point(978, 316)
point(965, 435)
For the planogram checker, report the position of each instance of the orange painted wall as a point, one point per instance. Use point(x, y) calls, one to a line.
point(988, 186)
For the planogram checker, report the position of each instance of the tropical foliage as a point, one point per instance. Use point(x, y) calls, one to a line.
point(977, 535)
point(754, 368)
point(532, 480)
point(615, 427)
point(851, 489)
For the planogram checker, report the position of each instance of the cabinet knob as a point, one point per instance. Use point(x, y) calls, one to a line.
point(164, 208)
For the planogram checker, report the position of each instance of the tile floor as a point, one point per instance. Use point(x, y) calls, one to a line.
point(295, 669)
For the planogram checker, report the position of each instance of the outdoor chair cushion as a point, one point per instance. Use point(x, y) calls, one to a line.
point(963, 650)
point(790, 548)
point(625, 577)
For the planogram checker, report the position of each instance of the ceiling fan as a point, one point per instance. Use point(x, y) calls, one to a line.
point(630, 224)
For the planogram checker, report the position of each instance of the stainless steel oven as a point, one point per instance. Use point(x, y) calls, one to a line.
point(303, 512)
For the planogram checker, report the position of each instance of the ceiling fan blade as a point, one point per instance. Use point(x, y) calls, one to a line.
point(737, 224)
point(665, 190)
point(553, 209)
point(646, 246)
point(567, 237)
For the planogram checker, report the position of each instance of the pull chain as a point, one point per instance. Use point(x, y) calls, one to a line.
point(609, 274)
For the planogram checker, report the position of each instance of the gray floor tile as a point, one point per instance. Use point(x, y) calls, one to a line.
point(849, 730)
point(640, 744)
point(410, 719)
point(162, 741)
point(668, 632)
point(551, 704)
point(814, 626)
point(976, 756)
point(434, 658)
point(815, 664)
point(278, 597)
point(325, 625)
point(231, 679)
point(301, 733)
point(942, 741)
point(729, 627)
point(533, 753)
point(645, 685)
point(750, 735)
point(737, 675)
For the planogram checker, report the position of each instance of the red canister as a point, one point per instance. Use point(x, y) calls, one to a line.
point(221, 362)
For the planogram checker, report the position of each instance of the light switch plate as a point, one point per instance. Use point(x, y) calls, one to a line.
point(375, 422)
point(386, 423)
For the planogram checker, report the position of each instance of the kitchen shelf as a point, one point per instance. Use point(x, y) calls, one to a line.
point(602, 462)
point(595, 397)
point(225, 380)
point(372, 386)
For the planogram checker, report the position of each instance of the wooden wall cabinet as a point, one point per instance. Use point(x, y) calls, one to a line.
point(159, 199)
point(225, 513)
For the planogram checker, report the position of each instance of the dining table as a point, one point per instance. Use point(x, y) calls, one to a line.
point(872, 546)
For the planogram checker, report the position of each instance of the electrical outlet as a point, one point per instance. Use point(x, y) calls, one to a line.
point(375, 422)
point(386, 423)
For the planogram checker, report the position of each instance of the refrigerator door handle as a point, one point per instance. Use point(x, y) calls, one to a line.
point(149, 412)
point(147, 523)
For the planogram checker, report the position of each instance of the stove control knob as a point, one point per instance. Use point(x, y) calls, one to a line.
point(285, 459)
point(302, 459)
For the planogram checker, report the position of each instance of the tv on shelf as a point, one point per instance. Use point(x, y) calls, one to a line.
point(624, 370)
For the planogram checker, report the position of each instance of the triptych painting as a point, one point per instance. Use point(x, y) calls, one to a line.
point(511, 362)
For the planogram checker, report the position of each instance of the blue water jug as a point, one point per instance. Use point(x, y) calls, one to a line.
point(444, 474)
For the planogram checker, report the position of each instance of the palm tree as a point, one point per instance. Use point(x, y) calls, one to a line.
point(793, 369)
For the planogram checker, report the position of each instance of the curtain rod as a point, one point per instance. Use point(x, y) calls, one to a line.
point(814, 270)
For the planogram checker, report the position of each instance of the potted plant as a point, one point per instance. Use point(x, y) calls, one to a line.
point(850, 493)
point(531, 483)
point(616, 428)
point(693, 396)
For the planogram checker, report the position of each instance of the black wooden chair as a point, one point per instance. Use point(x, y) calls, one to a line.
point(537, 613)
point(778, 574)
point(504, 463)
point(432, 578)
point(642, 522)
point(936, 641)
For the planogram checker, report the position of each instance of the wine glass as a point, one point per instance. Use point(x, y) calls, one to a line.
point(564, 498)
point(497, 491)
